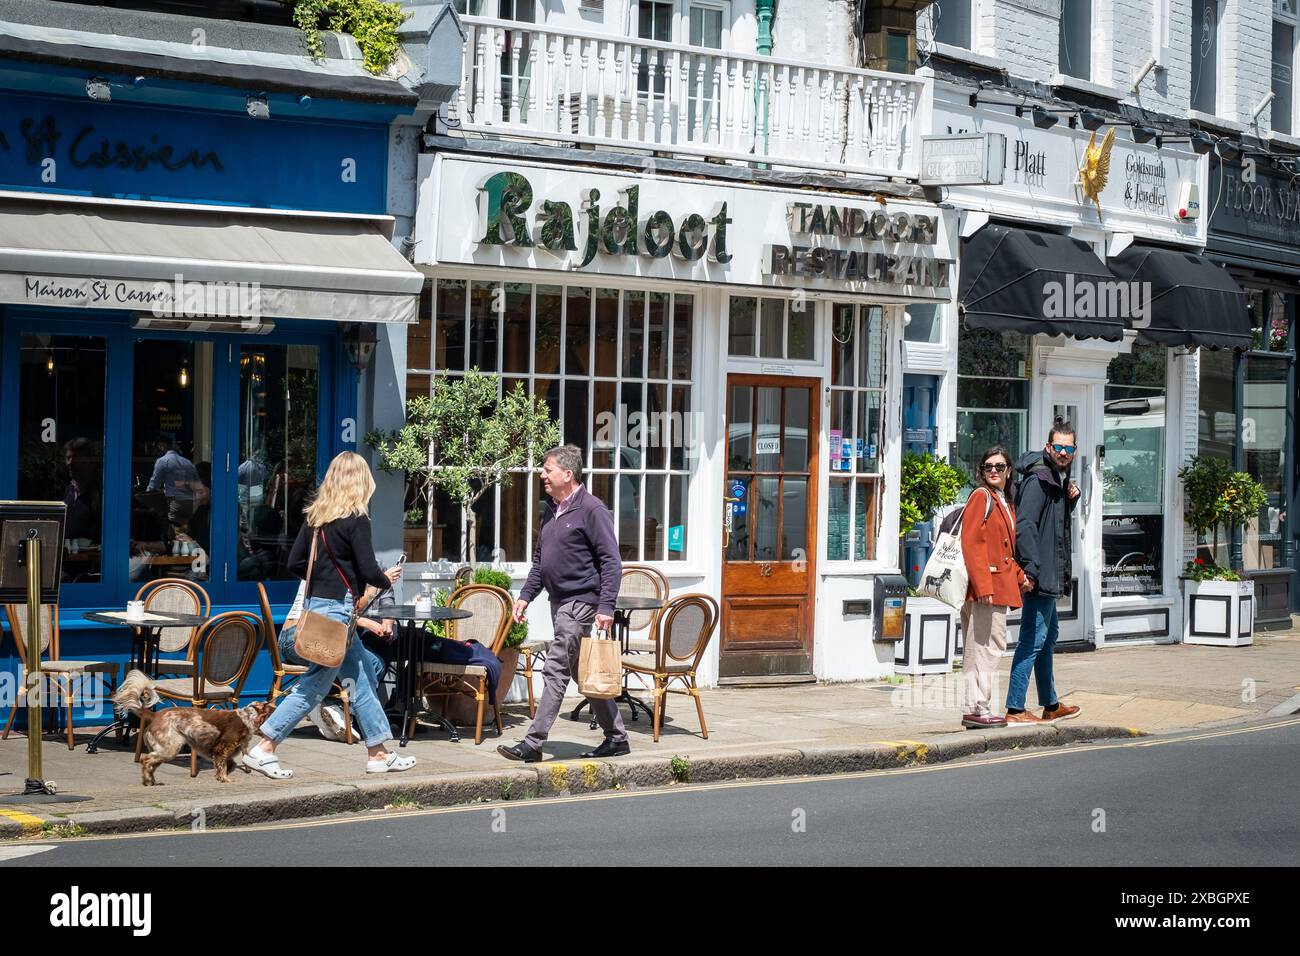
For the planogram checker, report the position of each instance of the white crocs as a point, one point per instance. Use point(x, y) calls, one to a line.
point(393, 763)
point(268, 765)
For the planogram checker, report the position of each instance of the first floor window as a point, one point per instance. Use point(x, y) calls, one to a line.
point(614, 367)
point(1133, 515)
point(1075, 46)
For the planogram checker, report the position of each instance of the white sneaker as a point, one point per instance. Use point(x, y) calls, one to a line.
point(332, 726)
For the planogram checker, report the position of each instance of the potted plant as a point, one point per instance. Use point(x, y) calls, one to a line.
point(465, 440)
point(1218, 605)
point(927, 484)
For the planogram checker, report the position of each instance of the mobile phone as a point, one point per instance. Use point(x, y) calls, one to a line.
point(401, 560)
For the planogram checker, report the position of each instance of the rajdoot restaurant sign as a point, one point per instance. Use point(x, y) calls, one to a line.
point(577, 220)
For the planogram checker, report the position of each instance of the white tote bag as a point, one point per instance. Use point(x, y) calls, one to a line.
point(945, 577)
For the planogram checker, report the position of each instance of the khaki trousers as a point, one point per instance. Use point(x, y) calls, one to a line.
point(985, 630)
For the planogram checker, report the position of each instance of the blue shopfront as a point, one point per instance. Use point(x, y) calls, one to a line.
point(184, 296)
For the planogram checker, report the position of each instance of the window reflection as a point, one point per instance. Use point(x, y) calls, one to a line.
point(276, 476)
point(61, 440)
point(171, 442)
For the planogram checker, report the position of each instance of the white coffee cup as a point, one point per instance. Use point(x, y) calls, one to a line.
point(135, 610)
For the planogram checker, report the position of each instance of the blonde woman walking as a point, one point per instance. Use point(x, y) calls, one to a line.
point(339, 521)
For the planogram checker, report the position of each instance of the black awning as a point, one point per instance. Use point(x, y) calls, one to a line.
point(1023, 281)
point(1191, 300)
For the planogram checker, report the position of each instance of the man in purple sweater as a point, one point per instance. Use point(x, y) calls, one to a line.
point(577, 562)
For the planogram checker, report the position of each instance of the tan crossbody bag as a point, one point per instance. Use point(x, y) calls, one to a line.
point(320, 639)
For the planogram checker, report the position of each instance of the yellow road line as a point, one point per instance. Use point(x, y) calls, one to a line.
point(1042, 754)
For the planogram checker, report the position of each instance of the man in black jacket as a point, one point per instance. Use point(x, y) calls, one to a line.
point(1045, 504)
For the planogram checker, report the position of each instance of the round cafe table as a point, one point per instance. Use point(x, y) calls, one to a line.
point(145, 635)
point(412, 639)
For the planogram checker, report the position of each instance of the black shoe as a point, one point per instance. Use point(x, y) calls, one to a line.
point(609, 749)
point(520, 751)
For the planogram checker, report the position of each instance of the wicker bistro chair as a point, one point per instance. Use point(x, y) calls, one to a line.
point(284, 673)
point(491, 607)
point(685, 629)
point(222, 656)
point(179, 596)
point(532, 657)
point(640, 581)
point(63, 674)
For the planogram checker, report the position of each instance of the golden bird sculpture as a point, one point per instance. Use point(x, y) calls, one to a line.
point(1095, 170)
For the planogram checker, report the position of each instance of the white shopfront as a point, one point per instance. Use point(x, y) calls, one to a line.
point(1133, 404)
point(727, 357)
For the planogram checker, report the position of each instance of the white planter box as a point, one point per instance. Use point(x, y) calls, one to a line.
point(1218, 612)
point(929, 638)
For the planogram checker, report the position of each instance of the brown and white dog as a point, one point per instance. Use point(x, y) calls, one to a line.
point(219, 735)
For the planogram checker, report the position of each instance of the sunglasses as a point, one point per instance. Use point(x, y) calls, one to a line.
point(1063, 449)
point(999, 468)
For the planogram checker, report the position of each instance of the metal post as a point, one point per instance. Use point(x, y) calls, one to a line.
point(35, 776)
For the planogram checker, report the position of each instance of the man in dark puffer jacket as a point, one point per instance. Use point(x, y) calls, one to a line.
point(1045, 503)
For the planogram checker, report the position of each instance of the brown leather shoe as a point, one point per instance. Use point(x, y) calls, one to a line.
point(1062, 712)
point(1024, 717)
point(981, 721)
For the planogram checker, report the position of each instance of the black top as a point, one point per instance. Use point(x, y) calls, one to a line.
point(349, 542)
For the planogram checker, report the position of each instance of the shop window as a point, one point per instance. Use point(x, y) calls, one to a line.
point(61, 436)
point(1263, 439)
point(772, 328)
point(993, 370)
point(614, 368)
point(1075, 46)
point(1205, 54)
point(279, 389)
point(1133, 473)
point(1270, 320)
point(856, 438)
point(171, 461)
point(923, 322)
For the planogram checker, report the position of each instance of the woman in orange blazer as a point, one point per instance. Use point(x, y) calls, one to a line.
point(988, 542)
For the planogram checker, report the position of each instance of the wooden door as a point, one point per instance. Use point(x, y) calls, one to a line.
point(769, 551)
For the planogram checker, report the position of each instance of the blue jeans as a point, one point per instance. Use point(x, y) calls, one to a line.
point(1038, 632)
point(357, 672)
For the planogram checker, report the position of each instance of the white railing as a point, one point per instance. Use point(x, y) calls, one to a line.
point(527, 80)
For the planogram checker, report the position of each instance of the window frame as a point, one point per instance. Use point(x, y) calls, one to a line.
point(875, 553)
point(1290, 19)
point(1214, 57)
point(336, 398)
point(1092, 53)
point(617, 471)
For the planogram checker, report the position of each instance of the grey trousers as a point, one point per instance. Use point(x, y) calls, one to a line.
point(571, 621)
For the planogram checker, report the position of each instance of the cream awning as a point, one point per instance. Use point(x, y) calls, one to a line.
point(178, 260)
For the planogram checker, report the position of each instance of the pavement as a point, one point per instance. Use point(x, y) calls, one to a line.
point(1135, 803)
point(754, 733)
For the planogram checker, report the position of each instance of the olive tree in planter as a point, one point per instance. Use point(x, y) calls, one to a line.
point(1218, 606)
point(927, 484)
point(465, 440)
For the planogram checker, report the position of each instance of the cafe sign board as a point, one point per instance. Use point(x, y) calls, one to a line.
point(480, 212)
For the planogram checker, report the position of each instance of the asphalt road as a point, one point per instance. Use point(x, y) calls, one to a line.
point(1211, 798)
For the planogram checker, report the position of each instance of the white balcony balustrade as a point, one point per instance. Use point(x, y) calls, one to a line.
point(529, 81)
